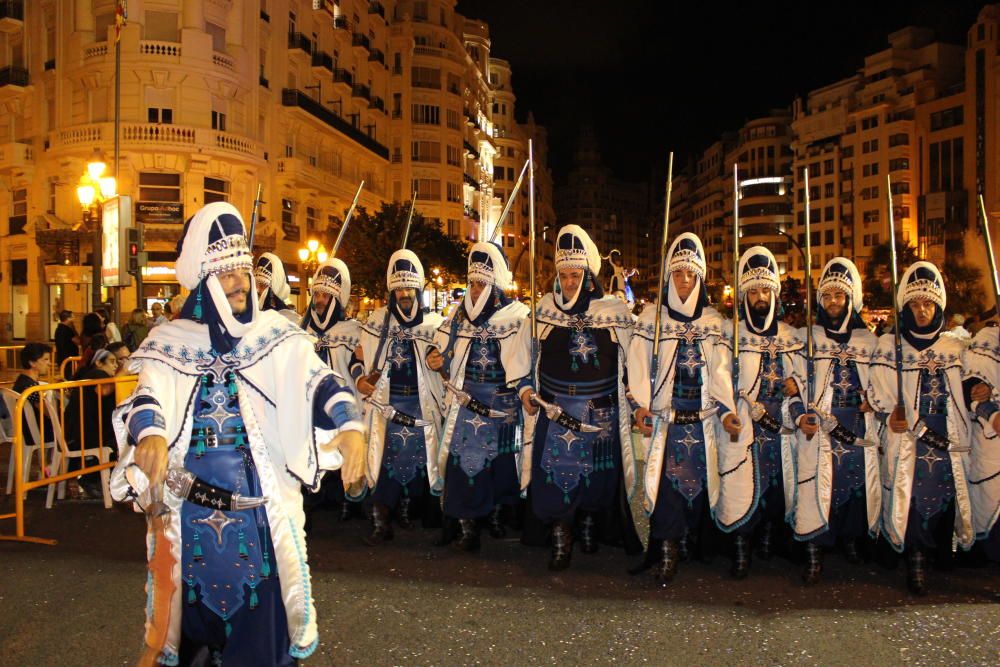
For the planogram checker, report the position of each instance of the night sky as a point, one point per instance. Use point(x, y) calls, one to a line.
point(658, 76)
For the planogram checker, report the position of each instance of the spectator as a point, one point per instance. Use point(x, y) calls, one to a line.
point(110, 328)
point(136, 330)
point(177, 305)
point(158, 316)
point(66, 338)
point(122, 353)
point(91, 344)
point(35, 362)
point(956, 328)
point(96, 404)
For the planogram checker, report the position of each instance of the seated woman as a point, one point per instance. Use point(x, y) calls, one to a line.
point(35, 362)
point(96, 404)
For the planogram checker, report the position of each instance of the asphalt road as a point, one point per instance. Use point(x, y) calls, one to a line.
point(411, 603)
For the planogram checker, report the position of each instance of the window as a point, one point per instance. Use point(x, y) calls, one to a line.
point(947, 118)
point(18, 211)
point(161, 27)
point(216, 189)
point(218, 121)
point(454, 156)
point(828, 214)
point(828, 235)
point(870, 216)
point(159, 186)
point(900, 188)
point(899, 163)
point(869, 123)
point(164, 116)
point(454, 192)
point(426, 151)
point(426, 114)
point(52, 198)
point(498, 173)
point(827, 167)
point(901, 139)
point(828, 190)
point(869, 146)
point(426, 77)
point(454, 228)
point(312, 219)
point(427, 189)
point(288, 226)
point(947, 170)
point(870, 169)
point(218, 34)
point(847, 151)
point(453, 122)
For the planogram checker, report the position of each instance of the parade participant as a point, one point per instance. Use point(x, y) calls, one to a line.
point(578, 462)
point(838, 495)
point(338, 336)
point(272, 285)
point(926, 499)
point(404, 401)
point(692, 413)
point(479, 452)
point(982, 365)
point(758, 481)
point(235, 412)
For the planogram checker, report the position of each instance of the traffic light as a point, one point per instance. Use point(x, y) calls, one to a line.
point(132, 241)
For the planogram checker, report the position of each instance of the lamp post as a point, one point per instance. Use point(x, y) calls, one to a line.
point(93, 190)
point(311, 255)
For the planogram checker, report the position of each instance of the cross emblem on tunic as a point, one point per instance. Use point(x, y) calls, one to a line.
point(688, 334)
point(484, 359)
point(772, 371)
point(477, 423)
point(217, 521)
point(845, 383)
point(692, 361)
point(843, 355)
point(935, 389)
point(569, 438)
point(583, 347)
point(771, 346)
point(838, 450)
point(581, 322)
point(930, 457)
point(689, 440)
point(219, 415)
point(930, 361)
point(399, 359)
point(485, 333)
point(404, 434)
point(217, 367)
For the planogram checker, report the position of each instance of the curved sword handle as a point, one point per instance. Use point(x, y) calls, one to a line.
point(466, 400)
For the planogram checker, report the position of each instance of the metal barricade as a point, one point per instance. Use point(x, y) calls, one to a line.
point(73, 363)
point(53, 406)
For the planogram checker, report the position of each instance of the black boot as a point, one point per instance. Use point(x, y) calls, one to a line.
point(814, 564)
point(403, 513)
point(669, 558)
point(497, 530)
point(469, 538)
point(653, 553)
point(381, 528)
point(741, 557)
point(851, 554)
point(683, 549)
point(562, 545)
point(588, 533)
point(916, 572)
point(449, 532)
point(766, 541)
point(346, 511)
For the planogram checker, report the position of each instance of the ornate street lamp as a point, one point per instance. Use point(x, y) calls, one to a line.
point(311, 255)
point(92, 191)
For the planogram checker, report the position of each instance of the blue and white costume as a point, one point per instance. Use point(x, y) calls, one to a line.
point(693, 375)
point(246, 406)
point(982, 362)
point(272, 286)
point(838, 492)
point(479, 454)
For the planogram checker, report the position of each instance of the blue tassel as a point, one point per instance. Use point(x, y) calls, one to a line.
point(243, 546)
point(566, 499)
point(253, 597)
point(197, 305)
point(471, 482)
point(199, 449)
point(265, 569)
point(240, 440)
point(229, 629)
point(205, 395)
point(192, 597)
point(231, 385)
point(196, 550)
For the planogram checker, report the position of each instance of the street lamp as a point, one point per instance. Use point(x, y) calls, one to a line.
point(310, 257)
point(93, 190)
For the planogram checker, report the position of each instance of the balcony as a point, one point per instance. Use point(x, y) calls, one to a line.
point(265, 17)
point(11, 15)
point(471, 181)
point(299, 42)
point(378, 104)
point(341, 23)
point(16, 156)
point(149, 47)
point(470, 150)
point(376, 55)
point(155, 138)
point(263, 81)
point(361, 40)
point(321, 60)
point(343, 77)
point(13, 76)
point(296, 98)
point(376, 8)
point(362, 91)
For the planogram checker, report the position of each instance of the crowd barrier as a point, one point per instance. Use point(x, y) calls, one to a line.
point(53, 448)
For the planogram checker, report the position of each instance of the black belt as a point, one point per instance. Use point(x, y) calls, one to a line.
point(687, 393)
point(212, 438)
point(404, 390)
point(850, 403)
point(597, 402)
point(554, 387)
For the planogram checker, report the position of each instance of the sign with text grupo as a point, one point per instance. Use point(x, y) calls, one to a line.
point(116, 217)
point(159, 213)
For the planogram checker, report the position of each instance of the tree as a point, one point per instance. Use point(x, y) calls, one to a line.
point(372, 238)
point(878, 274)
point(963, 281)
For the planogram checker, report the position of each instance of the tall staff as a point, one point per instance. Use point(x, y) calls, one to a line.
point(347, 220)
point(255, 215)
point(655, 360)
point(736, 287)
point(510, 201)
point(895, 296)
point(810, 348)
point(531, 251)
point(989, 253)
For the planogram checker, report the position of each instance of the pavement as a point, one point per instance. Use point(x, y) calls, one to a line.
point(411, 603)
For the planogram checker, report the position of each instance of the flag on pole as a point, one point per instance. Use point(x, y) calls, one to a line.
point(121, 14)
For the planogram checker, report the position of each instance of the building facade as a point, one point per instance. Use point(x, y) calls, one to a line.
point(303, 98)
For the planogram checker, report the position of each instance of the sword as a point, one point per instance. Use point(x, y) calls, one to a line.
point(683, 417)
point(188, 486)
point(654, 362)
point(760, 415)
point(559, 416)
point(736, 291)
point(989, 253)
point(466, 400)
point(895, 298)
point(161, 579)
point(832, 426)
point(510, 200)
point(395, 416)
point(347, 220)
point(810, 346)
point(921, 431)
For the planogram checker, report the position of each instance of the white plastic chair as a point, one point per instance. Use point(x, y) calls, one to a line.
point(61, 458)
point(10, 398)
